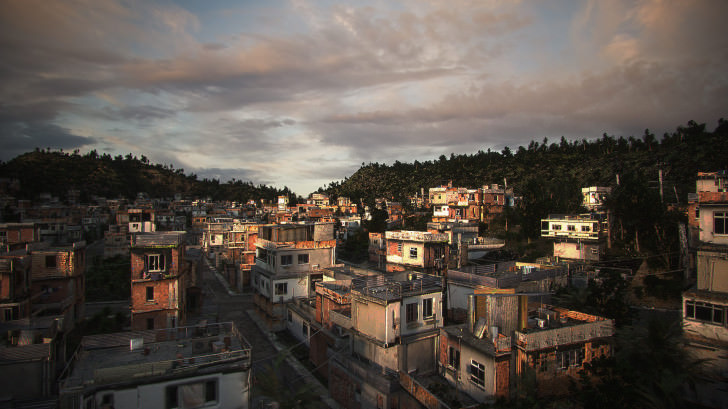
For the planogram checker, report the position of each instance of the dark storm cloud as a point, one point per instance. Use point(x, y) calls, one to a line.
point(21, 137)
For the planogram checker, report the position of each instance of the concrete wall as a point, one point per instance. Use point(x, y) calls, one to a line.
point(712, 271)
point(706, 225)
point(475, 391)
point(376, 321)
point(385, 357)
point(232, 392)
point(421, 324)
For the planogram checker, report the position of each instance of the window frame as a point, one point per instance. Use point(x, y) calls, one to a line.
point(720, 219)
point(149, 291)
point(426, 307)
point(413, 252)
point(278, 287)
point(159, 264)
point(303, 256)
point(286, 260)
point(411, 312)
point(477, 374)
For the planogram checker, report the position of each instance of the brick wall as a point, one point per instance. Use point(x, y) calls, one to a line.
point(342, 387)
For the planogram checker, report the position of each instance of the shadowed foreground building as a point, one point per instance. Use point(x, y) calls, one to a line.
point(187, 367)
point(163, 280)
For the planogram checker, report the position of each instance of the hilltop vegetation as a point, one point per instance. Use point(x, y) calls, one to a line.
point(559, 168)
point(55, 172)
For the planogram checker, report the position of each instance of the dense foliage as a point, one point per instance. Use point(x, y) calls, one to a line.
point(554, 171)
point(55, 172)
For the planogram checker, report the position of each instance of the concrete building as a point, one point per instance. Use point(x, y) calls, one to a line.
point(576, 237)
point(424, 252)
point(163, 280)
point(557, 343)
point(705, 306)
point(184, 367)
point(288, 263)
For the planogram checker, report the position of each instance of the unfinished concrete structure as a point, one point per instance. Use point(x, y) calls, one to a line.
point(184, 367)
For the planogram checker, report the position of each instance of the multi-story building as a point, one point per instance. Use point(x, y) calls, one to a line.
point(57, 282)
point(394, 326)
point(419, 251)
point(705, 306)
point(318, 199)
point(14, 287)
point(288, 263)
point(576, 237)
point(184, 367)
point(557, 343)
point(240, 252)
point(163, 281)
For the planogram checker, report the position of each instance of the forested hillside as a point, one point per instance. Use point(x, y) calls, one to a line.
point(56, 172)
point(554, 169)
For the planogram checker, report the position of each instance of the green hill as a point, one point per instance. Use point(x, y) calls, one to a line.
point(56, 172)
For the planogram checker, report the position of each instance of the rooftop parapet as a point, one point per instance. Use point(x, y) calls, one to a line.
point(161, 239)
point(139, 355)
point(422, 236)
point(383, 289)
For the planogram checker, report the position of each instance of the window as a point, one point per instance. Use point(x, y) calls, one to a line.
point(154, 262)
point(585, 228)
point(304, 329)
point(50, 261)
point(281, 288)
point(720, 222)
point(150, 294)
point(286, 260)
point(570, 227)
point(453, 357)
point(427, 311)
point(707, 312)
point(399, 248)
point(150, 323)
point(191, 395)
point(303, 259)
point(555, 227)
point(571, 357)
point(697, 212)
point(413, 252)
point(477, 373)
point(411, 312)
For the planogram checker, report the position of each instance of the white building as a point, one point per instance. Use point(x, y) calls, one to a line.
point(201, 366)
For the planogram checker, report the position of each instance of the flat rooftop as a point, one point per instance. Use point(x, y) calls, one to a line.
point(138, 355)
point(384, 289)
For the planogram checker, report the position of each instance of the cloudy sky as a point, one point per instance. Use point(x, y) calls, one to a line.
point(301, 92)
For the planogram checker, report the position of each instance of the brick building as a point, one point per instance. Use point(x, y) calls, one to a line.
point(163, 281)
point(419, 251)
point(57, 282)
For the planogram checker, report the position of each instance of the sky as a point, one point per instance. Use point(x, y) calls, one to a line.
point(300, 93)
